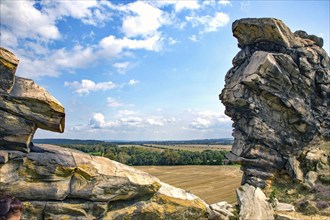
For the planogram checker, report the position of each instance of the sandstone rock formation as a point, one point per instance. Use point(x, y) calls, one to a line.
point(278, 95)
point(24, 107)
point(253, 203)
point(58, 183)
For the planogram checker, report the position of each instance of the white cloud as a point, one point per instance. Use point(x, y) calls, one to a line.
point(145, 21)
point(155, 121)
point(89, 12)
point(86, 86)
point(172, 41)
point(131, 121)
point(111, 102)
point(221, 19)
point(224, 2)
point(126, 112)
point(23, 20)
point(37, 61)
point(193, 38)
point(191, 5)
point(32, 31)
point(200, 123)
point(208, 119)
point(121, 67)
point(133, 82)
point(209, 23)
point(78, 57)
point(112, 46)
point(98, 121)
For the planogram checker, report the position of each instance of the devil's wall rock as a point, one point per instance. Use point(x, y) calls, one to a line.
point(278, 95)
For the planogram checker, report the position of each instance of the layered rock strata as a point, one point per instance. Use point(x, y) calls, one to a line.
point(24, 107)
point(278, 95)
point(57, 183)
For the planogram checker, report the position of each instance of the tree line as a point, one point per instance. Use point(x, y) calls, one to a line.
point(136, 156)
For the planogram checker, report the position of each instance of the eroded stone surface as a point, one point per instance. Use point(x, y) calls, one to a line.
point(253, 203)
point(8, 65)
point(278, 95)
point(63, 183)
point(24, 107)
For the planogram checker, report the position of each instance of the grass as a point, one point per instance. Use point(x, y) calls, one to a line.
point(211, 183)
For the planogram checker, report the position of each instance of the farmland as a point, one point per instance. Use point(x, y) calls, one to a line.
point(211, 183)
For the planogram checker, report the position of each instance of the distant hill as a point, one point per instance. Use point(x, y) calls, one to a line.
point(65, 141)
point(224, 141)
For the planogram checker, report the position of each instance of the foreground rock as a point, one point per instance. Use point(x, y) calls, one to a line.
point(253, 203)
point(57, 183)
point(278, 95)
point(8, 65)
point(24, 107)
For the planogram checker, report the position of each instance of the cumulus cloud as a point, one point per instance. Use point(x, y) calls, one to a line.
point(133, 82)
point(132, 121)
point(200, 123)
point(193, 38)
point(144, 19)
point(121, 67)
point(192, 5)
point(86, 86)
point(126, 112)
point(112, 102)
point(208, 119)
point(210, 23)
point(98, 121)
point(90, 12)
point(25, 21)
point(224, 2)
point(113, 46)
point(32, 31)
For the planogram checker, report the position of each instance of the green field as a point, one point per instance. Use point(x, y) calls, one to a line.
point(211, 183)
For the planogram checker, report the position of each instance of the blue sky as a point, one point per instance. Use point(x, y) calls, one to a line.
point(139, 70)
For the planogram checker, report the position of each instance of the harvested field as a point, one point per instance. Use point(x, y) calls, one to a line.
point(211, 183)
point(191, 147)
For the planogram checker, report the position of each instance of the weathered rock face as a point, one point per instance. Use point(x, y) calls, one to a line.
point(253, 203)
point(24, 107)
point(278, 95)
point(57, 183)
point(8, 65)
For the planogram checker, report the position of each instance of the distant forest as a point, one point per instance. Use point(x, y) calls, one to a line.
point(223, 141)
point(136, 156)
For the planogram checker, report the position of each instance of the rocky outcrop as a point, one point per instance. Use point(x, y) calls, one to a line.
point(253, 203)
point(278, 95)
point(58, 183)
point(24, 107)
